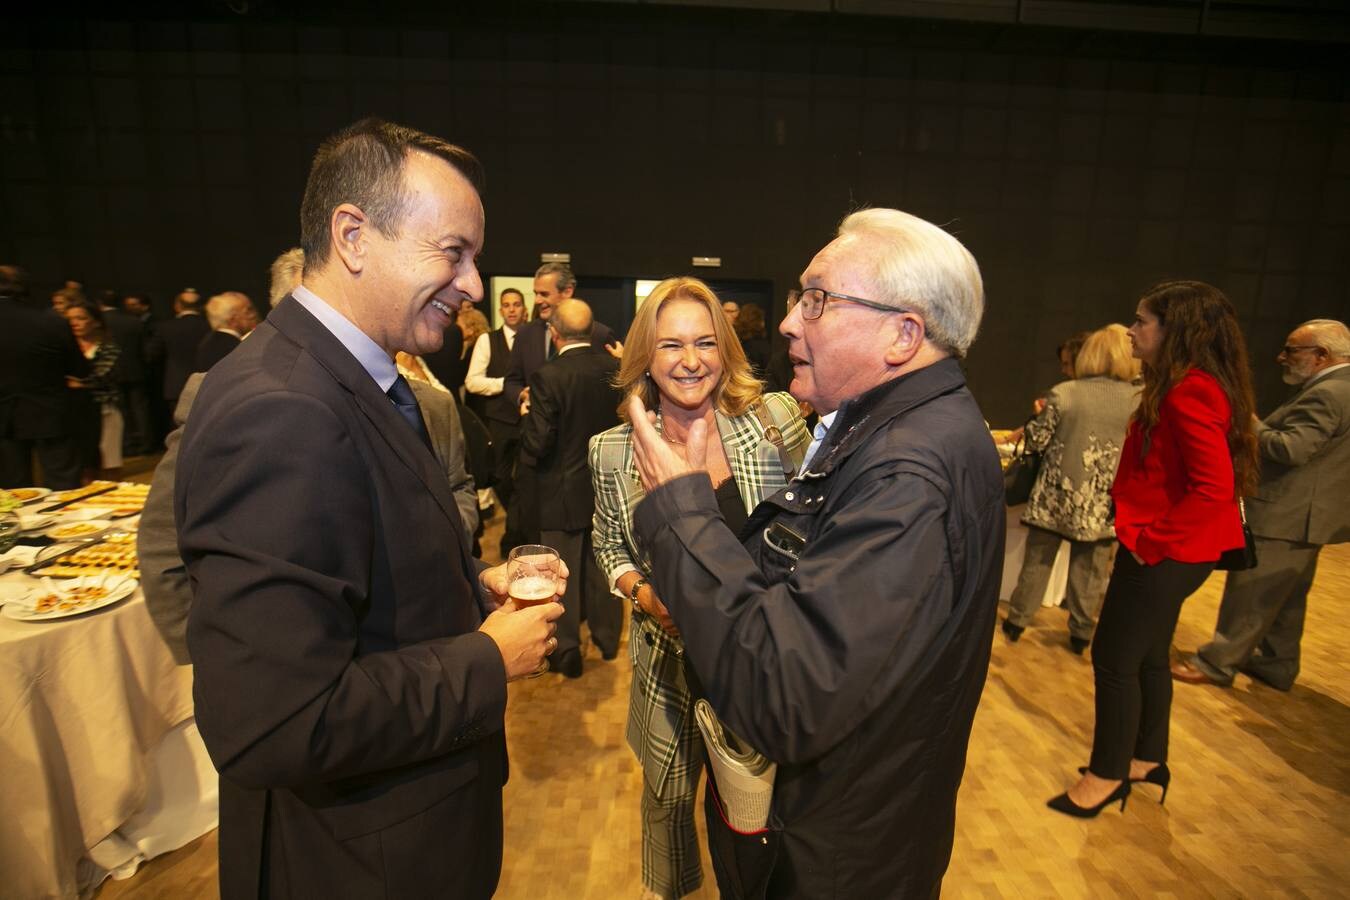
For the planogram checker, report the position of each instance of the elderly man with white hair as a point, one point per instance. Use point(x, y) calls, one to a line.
point(232, 317)
point(1299, 507)
point(846, 635)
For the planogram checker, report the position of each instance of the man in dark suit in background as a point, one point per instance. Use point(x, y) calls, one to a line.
point(231, 316)
point(553, 284)
point(175, 342)
point(128, 332)
point(37, 352)
point(350, 681)
point(572, 399)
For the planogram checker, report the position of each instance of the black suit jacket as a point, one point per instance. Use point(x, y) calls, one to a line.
point(348, 701)
point(212, 349)
point(37, 352)
point(447, 363)
point(176, 343)
point(572, 398)
point(530, 351)
point(128, 333)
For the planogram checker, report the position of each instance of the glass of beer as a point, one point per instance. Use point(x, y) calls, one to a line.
point(532, 579)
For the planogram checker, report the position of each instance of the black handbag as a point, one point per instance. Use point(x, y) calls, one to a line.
point(1244, 557)
point(1021, 474)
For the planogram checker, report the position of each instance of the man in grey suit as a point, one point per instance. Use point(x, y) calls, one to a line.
point(1300, 506)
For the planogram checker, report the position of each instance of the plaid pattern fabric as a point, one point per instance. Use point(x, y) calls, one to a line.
point(661, 727)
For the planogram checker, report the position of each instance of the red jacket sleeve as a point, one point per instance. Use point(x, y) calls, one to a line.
point(1201, 471)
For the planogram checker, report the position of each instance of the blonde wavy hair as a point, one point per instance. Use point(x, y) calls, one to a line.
point(736, 390)
point(1107, 352)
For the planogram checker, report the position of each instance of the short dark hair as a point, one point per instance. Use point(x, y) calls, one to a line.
point(515, 291)
point(363, 165)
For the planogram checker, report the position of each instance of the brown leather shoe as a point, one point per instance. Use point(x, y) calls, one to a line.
point(1188, 674)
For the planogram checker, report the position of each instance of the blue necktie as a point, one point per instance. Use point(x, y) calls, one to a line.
point(406, 404)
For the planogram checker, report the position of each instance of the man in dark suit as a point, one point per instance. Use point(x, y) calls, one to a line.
point(128, 332)
point(1299, 507)
point(175, 342)
point(37, 352)
point(350, 681)
point(231, 316)
point(553, 284)
point(572, 399)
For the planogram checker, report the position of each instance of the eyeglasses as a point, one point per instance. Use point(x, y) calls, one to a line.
point(813, 302)
point(1290, 350)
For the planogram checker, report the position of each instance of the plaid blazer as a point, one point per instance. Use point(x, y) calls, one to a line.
point(660, 719)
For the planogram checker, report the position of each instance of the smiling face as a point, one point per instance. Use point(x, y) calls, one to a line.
point(547, 294)
point(686, 364)
point(1146, 335)
point(416, 280)
point(842, 354)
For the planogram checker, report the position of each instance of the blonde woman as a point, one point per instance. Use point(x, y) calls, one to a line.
point(1079, 432)
point(683, 360)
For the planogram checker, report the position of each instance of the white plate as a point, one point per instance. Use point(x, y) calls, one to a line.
point(31, 494)
point(34, 521)
point(22, 609)
point(94, 528)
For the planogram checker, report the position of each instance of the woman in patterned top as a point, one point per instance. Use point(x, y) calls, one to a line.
point(1078, 433)
point(683, 359)
point(105, 439)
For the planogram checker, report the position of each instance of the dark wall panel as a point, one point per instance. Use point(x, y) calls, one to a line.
point(150, 155)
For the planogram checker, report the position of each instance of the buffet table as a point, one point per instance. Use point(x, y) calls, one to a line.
point(100, 765)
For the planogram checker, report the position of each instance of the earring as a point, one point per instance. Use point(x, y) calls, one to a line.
point(649, 373)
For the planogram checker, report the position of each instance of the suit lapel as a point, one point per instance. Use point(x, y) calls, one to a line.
point(294, 321)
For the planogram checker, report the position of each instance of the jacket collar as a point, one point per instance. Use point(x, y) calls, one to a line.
point(863, 416)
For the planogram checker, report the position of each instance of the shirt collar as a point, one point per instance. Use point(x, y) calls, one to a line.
point(818, 436)
point(368, 353)
point(1327, 371)
point(572, 346)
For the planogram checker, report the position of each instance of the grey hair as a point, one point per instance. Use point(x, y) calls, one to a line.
point(1332, 336)
point(221, 308)
point(924, 269)
point(564, 272)
point(285, 275)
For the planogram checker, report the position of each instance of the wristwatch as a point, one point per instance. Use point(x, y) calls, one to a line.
point(632, 594)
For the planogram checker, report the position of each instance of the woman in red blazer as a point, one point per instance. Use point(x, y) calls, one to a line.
point(1189, 454)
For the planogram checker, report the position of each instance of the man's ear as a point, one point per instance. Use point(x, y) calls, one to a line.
point(347, 232)
point(907, 341)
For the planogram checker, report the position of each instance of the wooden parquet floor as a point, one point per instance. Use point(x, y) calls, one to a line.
point(1257, 807)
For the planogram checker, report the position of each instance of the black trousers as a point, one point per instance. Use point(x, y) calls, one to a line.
point(1130, 660)
point(59, 458)
point(505, 443)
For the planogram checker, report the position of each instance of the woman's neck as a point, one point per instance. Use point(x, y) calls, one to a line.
point(675, 420)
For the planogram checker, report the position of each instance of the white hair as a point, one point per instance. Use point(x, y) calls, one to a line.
point(1331, 335)
point(222, 308)
point(922, 268)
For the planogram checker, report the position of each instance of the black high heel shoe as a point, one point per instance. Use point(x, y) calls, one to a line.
point(1012, 631)
point(1063, 804)
point(1159, 775)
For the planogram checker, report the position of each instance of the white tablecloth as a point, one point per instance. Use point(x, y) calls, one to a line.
point(90, 782)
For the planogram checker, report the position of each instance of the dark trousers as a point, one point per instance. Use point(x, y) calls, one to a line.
point(1130, 660)
point(59, 458)
point(522, 513)
point(139, 437)
point(587, 596)
point(505, 443)
point(1261, 617)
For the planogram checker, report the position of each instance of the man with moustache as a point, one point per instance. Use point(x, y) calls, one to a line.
point(350, 667)
point(1299, 507)
point(848, 639)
